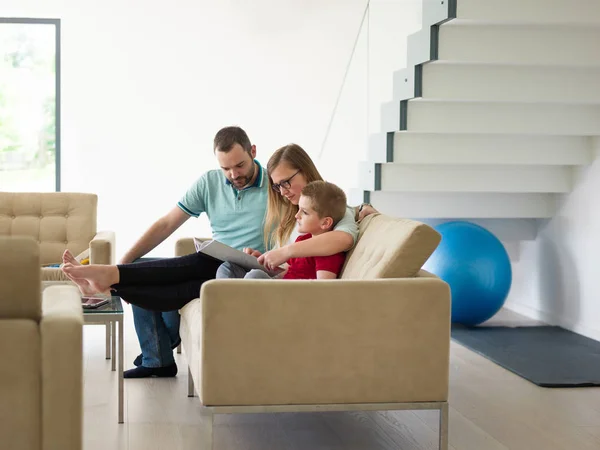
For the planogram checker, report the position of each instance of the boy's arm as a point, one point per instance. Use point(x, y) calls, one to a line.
point(326, 275)
point(329, 267)
point(325, 244)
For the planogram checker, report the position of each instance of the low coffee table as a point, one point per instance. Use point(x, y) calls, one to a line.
point(111, 314)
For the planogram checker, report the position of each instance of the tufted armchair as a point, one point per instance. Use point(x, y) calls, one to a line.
point(57, 221)
point(41, 375)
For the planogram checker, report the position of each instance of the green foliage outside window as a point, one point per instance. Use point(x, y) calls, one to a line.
point(27, 96)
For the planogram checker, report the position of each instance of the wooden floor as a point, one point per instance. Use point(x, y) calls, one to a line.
point(490, 409)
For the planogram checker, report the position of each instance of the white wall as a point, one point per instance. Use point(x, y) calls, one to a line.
point(145, 87)
point(556, 278)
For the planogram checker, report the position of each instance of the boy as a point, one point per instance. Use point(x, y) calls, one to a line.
point(321, 206)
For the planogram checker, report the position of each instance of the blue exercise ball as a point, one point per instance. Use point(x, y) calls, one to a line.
point(476, 266)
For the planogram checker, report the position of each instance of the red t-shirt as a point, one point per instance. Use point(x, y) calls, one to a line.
point(306, 268)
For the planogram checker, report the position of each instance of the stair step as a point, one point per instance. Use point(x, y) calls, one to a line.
point(438, 116)
point(446, 80)
point(406, 147)
point(531, 11)
point(468, 41)
point(465, 178)
point(464, 205)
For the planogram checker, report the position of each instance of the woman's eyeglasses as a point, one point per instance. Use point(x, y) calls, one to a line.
point(285, 184)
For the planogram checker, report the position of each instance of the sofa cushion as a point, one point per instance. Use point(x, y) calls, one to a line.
point(406, 247)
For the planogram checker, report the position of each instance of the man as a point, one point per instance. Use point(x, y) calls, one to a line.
point(235, 200)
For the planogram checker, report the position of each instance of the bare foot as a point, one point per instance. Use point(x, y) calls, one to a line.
point(84, 286)
point(82, 283)
point(99, 277)
point(68, 258)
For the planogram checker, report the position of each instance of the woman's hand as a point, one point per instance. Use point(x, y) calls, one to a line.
point(252, 252)
point(274, 258)
point(365, 211)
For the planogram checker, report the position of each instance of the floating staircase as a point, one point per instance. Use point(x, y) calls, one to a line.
point(497, 109)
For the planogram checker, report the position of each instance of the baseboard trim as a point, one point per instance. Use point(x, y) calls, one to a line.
point(551, 319)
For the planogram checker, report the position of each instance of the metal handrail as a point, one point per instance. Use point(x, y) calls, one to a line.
point(362, 21)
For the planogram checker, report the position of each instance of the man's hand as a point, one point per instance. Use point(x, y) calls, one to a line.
point(365, 211)
point(252, 252)
point(274, 258)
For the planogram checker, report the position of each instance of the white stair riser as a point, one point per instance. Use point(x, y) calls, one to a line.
point(507, 179)
point(464, 205)
point(420, 148)
point(501, 118)
point(531, 11)
point(405, 147)
point(577, 46)
point(508, 83)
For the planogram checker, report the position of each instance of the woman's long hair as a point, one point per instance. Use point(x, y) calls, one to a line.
point(280, 220)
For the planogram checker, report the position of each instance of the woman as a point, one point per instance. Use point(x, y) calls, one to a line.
point(169, 284)
point(290, 169)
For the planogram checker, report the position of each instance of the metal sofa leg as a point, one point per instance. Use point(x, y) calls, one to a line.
point(190, 383)
point(107, 324)
point(444, 419)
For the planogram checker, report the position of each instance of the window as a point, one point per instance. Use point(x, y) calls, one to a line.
point(29, 105)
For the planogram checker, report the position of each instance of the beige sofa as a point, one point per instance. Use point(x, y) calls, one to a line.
point(57, 221)
point(378, 339)
point(41, 380)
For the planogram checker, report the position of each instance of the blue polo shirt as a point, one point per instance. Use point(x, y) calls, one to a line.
point(236, 217)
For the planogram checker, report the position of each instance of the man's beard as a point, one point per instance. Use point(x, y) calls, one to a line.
point(245, 180)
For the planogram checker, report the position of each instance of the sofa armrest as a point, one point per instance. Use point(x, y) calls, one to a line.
point(62, 368)
point(102, 248)
point(185, 246)
point(266, 342)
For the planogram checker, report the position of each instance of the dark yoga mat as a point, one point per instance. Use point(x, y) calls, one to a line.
point(548, 356)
